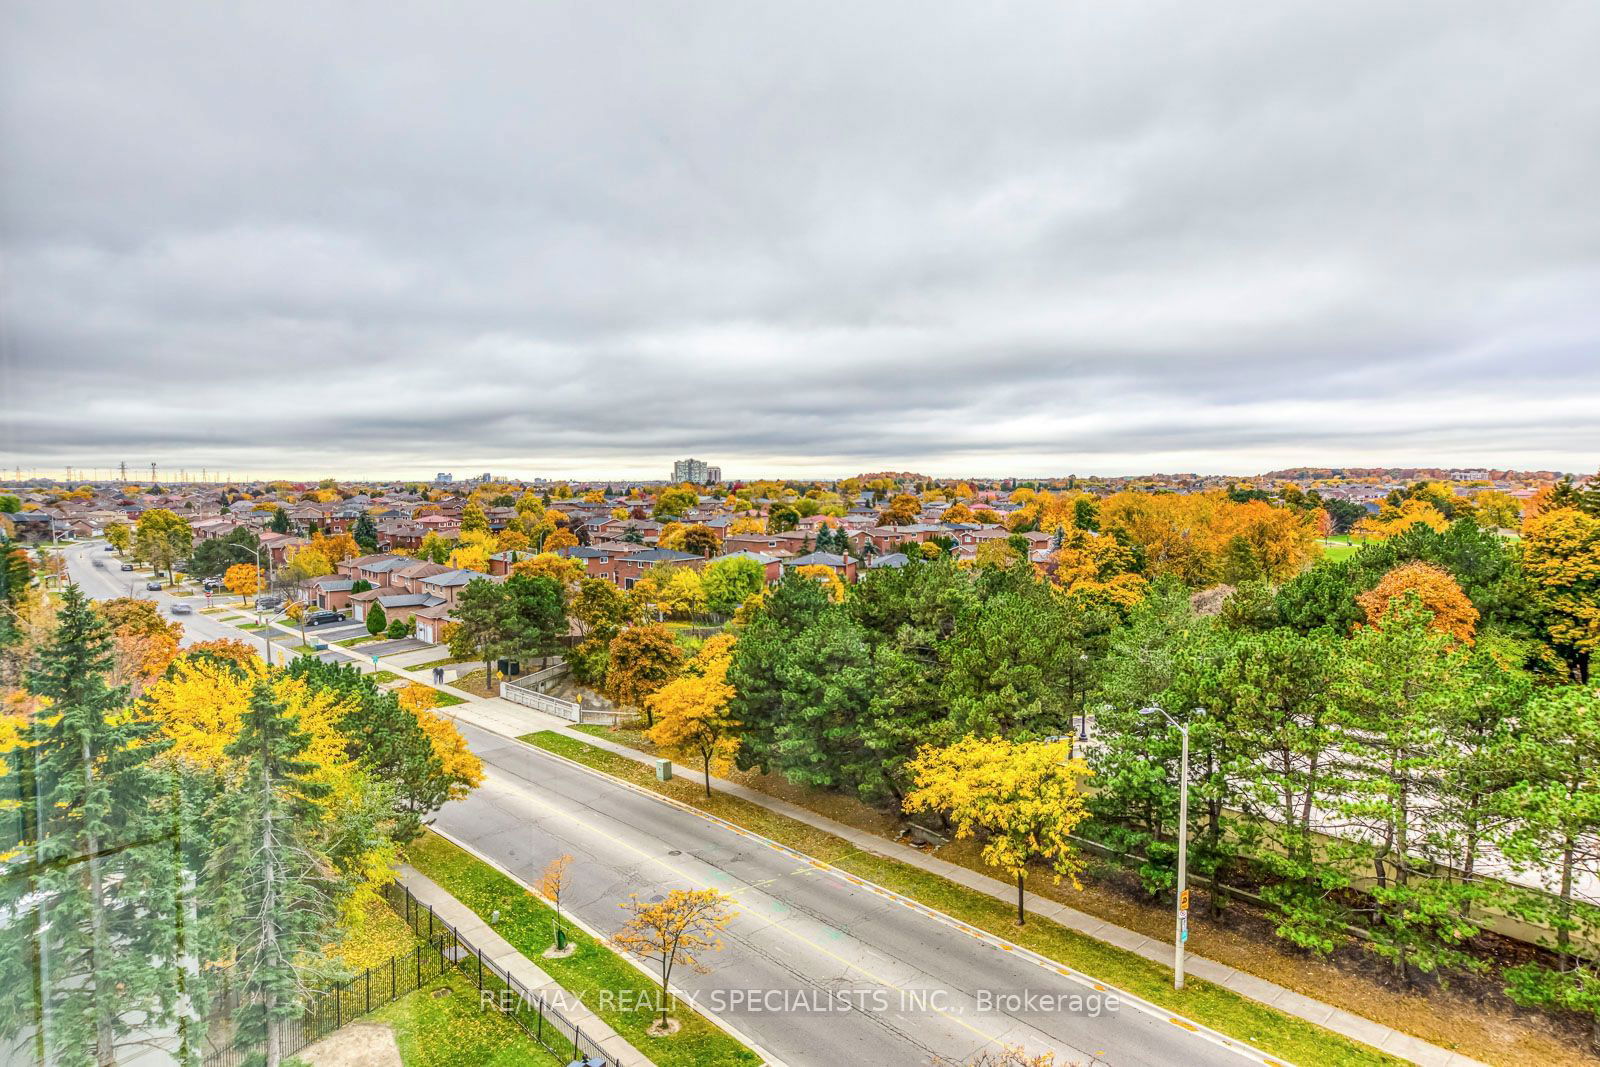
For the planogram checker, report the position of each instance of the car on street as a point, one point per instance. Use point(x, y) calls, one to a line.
point(322, 618)
point(269, 603)
point(211, 585)
point(127, 566)
point(182, 609)
point(153, 586)
point(111, 548)
point(99, 563)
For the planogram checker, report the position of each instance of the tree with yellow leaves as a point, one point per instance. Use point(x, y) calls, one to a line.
point(1097, 569)
point(997, 553)
point(641, 659)
point(244, 579)
point(337, 548)
point(118, 536)
point(472, 551)
point(691, 711)
point(821, 572)
point(559, 539)
point(1280, 541)
point(676, 930)
point(563, 570)
point(1434, 588)
point(746, 524)
point(552, 884)
point(958, 513)
point(1561, 556)
point(457, 761)
point(1392, 521)
point(1023, 797)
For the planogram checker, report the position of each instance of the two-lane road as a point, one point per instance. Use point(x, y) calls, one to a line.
point(817, 971)
point(806, 941)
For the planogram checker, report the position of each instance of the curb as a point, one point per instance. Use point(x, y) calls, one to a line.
point(993, 941)
point(768, 1059)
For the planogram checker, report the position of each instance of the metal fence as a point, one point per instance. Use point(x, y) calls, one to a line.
point(440, 949)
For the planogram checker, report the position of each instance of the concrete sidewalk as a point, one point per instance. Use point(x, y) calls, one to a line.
point(533, 978)
point(512, 720)
point(1384, 1038)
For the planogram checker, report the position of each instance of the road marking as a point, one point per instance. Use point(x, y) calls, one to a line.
point(816, 946)
point(994, 941)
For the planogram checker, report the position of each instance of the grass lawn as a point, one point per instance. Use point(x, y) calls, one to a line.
point(214, 611)
point(445, 700)
point(354, 641)
point(381, 677)
point(448, 661)
point(1221, 1009)
point(251, 625)
point(435, 1028)
point(525, 921)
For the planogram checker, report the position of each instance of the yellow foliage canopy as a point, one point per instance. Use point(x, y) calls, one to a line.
point(1023, 797)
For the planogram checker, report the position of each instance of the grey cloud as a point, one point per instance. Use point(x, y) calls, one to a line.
point(569, 239)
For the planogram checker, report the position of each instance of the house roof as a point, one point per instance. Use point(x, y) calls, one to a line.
point(826, 559)
point(893, 560)
point(663, 555)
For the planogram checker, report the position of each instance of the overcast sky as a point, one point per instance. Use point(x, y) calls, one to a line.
point(793, 239)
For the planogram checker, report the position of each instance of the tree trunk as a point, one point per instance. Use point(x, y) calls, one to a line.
point(708, 776)
point(100, 946)
point(1021, 916)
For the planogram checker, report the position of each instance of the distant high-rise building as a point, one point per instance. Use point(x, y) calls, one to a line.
point(443, 478)
point(690, 470)
point(713, 475)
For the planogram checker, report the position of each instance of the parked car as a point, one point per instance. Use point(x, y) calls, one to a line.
point(211, 585)
point(182, 609)
point(127, 566)
point(111, 548)
point(322, 618)
point(153, 586)
point(99, 563)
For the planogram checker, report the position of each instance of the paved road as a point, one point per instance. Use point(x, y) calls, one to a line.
point(844, 976)
point(918, 985)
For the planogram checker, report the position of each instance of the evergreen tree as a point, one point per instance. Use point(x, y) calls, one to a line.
point(272, 893)
point(89, 927)
point(365, 532)
point(388, 741)
point(377, 619)
point(280, 521)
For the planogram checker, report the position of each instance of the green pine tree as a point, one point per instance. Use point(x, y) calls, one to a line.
point(365, 532)
point(274, 898)
point(95, 938)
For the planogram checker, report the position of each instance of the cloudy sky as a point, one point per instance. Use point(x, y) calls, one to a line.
point(810, 238)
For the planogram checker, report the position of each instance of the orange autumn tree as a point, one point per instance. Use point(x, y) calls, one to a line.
point(143, 643)
point(1280, 541)
point(1437, 591)
point(821, 572)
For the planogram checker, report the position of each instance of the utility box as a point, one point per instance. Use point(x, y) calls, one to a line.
point(664, 770)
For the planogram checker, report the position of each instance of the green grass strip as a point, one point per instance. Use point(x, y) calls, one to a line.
point(1221, 1009)
point(527, 922)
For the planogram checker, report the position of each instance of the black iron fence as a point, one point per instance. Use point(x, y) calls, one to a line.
point(440, 949)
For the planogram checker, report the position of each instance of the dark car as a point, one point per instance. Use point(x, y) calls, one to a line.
point(269, 603)
point(111, 548)
point(182, 609)
point(127, 566)
point(155, 586)
point(322, 618)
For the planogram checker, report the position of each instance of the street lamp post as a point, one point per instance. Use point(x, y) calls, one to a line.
point(1083, 704)
point(1181, 917)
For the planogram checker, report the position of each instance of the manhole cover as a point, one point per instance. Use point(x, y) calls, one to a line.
point(675, 852)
